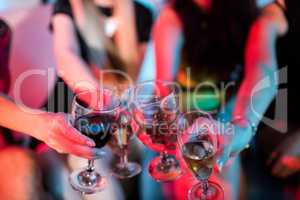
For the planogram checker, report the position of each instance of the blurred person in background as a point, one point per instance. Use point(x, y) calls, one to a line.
point(99, 35)
point(5, 36)
point(288, 56)
point(5, 41)
point(21, 167)
point(93, 36)
point(276, 159)
point(215, 42)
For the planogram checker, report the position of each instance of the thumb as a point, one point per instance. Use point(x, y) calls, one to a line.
point(223, 158)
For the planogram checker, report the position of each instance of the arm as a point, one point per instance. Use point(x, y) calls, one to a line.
point(48, 127)
point(260, 64)
point(167, 35)
point(70, 66)
point(126, 36)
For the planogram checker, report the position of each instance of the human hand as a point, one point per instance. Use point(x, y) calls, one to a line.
point(233, 142)
point(57, 133)
point(285, 160)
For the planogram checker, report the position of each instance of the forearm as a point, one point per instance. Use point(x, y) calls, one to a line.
point(260, 83)
point(250, 104)
point(20, 118)
point(75, 72)
point(126, 37)
point(70, 66)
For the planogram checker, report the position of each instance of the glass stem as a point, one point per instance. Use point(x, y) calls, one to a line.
point(205, 187)
point(91, 166)
point(164, 157)
point(124, 158)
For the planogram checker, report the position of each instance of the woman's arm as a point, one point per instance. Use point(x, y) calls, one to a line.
point(71, 67)
point(53, 129)
point(260, 66)
point(126, 36)
point(167, 35)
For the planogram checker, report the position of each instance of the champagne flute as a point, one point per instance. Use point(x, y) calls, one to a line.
point(94, 114)
point(120, 144)
point(199, 145)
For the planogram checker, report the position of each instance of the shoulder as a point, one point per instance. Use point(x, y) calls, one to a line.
point(168, 27)
point(273, 16)
point(168, 16)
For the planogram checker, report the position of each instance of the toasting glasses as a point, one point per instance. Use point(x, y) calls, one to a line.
point(94, 114)
point(154, 107)
point(199, 147)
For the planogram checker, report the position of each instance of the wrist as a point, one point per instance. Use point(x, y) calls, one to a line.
point(244, 122)
point(38, 124)
point(246, 126)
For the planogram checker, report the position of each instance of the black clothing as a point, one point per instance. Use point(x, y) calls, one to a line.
point(61, 103)
point(265, 185)
point(213, 50)
point(143, 22)
point(5, 42)
point(214, 41)
point(289, 56)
